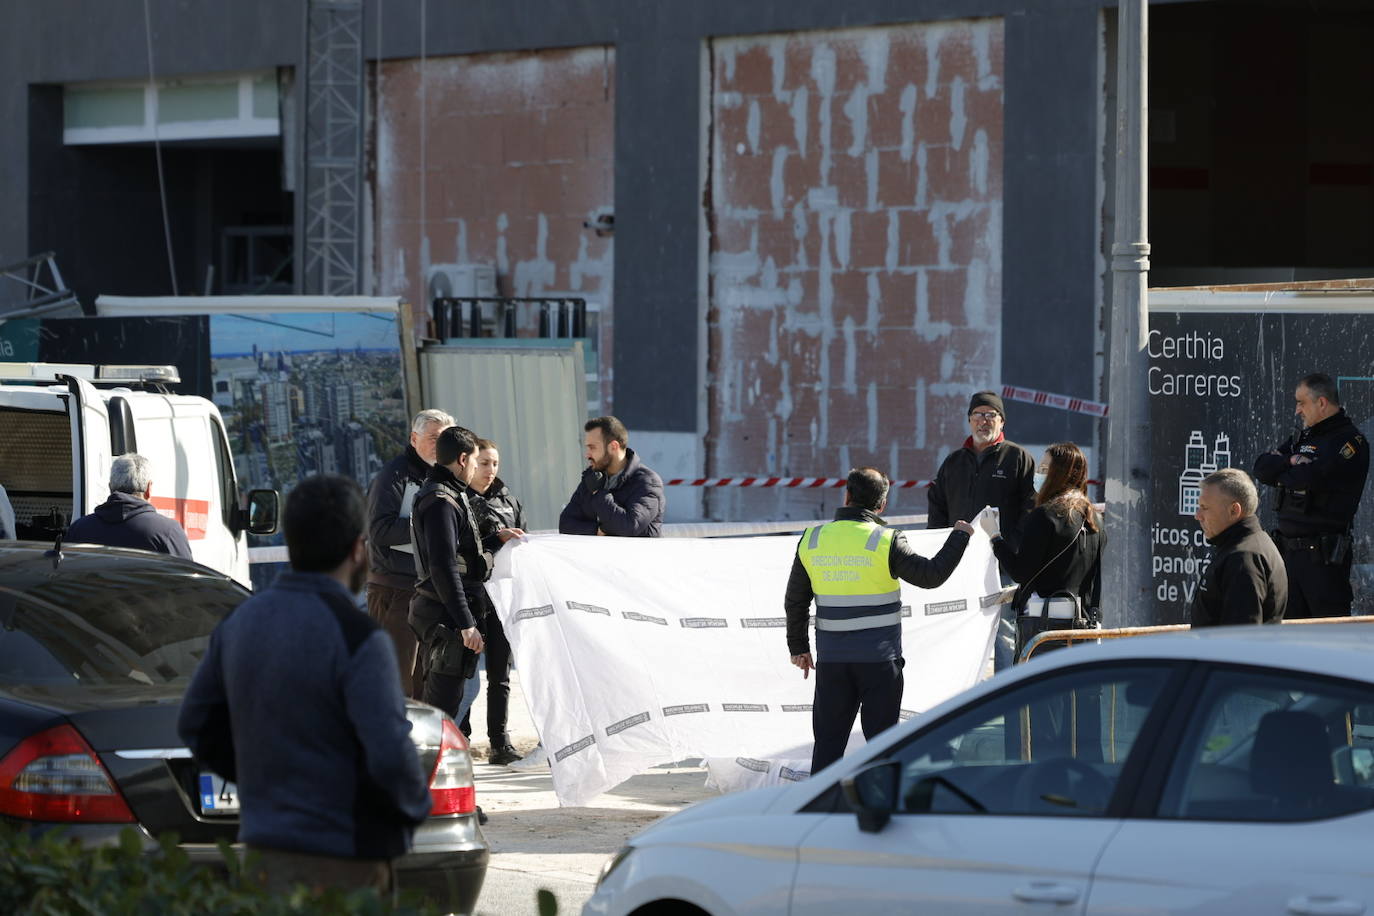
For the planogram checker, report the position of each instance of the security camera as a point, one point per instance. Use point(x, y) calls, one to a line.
point(602, 223)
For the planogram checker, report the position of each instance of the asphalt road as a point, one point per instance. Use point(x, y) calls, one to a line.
point(536, 844)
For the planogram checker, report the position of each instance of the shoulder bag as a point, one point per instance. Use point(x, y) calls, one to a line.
point(1060, 610)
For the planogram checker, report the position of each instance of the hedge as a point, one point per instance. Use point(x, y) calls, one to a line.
point(50, 874)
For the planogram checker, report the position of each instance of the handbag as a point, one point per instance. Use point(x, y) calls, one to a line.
point(1060, 610)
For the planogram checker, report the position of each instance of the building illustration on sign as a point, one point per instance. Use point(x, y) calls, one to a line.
point(1197, 465)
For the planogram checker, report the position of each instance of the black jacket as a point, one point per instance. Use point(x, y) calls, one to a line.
point(388, 520)
point(903, 562)
point(1001, 476)
point(1323, 495)
point(1035, 561)
point(1246, 581)
point(125, 520)
point(443, 533)
point(630, 505)
point(500, 508)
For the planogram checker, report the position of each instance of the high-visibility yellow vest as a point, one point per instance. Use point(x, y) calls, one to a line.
point(858, 601)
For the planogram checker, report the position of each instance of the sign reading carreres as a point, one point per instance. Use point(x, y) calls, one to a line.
point(1221, 389)
point(1191, 364)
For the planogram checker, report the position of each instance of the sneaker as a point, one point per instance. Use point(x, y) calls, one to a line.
point(534, 760)
point(503, 756)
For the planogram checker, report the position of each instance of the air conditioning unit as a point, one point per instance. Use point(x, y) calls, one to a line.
point(461, 281)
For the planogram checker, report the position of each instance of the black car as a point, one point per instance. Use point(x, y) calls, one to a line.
point(97, 647)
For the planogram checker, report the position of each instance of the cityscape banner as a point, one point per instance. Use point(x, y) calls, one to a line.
point(306, 393)
point(635, 652)
point(1221, 388)
point(301, 392)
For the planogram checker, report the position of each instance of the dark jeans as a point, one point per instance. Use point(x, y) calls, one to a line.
point(871, 690)
point(389, 607)
point(497, 662)
point(1004, 644)
point(1316, 591)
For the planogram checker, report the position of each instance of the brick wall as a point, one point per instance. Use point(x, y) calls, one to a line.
point(517, 152)
point(853, 215)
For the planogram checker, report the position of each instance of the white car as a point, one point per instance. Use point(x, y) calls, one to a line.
point(1228, 771)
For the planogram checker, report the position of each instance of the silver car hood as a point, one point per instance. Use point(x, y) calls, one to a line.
point(750, 801)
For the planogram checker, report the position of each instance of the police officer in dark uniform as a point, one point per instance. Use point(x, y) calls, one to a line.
point(452, 560)
point(1320, 474)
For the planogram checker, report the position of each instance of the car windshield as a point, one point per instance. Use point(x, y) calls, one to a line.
point(113, 630)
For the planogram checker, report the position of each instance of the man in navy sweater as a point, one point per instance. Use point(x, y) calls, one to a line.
point(127, 518)
point(298, 701)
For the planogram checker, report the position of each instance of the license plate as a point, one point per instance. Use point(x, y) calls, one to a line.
point(217, 797)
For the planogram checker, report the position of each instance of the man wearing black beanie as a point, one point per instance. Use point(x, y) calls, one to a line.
point(988, 470)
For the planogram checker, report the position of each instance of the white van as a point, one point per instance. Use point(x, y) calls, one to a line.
point(61, 425)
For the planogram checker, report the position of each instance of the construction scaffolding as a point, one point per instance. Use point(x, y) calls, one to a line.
point(330, 187)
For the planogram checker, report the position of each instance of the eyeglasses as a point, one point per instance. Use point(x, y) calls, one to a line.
point(985, 415)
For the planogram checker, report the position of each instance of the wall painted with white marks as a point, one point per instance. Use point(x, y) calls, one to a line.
point(517, 151)
point(854, 234)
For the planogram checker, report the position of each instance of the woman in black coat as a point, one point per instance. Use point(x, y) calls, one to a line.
point(1057, 555)
point(1058, 550)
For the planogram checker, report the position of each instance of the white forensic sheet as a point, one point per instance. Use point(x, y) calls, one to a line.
point(635, 652)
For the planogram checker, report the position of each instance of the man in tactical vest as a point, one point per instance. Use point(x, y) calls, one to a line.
point(851, 567)
point(452, 560)
point(390, 554)
point(1320, 474)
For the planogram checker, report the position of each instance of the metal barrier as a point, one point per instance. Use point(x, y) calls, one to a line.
point(469, 316)
point(1069, 637)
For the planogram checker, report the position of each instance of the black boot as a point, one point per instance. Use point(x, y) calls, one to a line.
point(503, 755)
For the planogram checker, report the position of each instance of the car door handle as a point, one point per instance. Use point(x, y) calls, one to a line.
point(1324, 905)
point(1047, 892)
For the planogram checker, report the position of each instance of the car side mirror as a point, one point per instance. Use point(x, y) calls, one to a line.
point(872, 793)
point(263, 512)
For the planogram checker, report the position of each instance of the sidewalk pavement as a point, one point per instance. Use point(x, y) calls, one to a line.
point(535, 843)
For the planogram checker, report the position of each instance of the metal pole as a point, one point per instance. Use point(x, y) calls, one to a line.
point(1126, 573)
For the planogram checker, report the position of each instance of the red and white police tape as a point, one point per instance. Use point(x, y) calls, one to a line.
point(1060, 401)
point(1009, 392)
point(809, 483)
point(805, 483)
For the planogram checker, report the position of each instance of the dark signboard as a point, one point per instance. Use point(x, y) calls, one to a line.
point(1221, 392)
point(180, 340)
point(171, 340)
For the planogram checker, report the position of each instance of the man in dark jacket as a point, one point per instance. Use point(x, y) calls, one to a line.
point(1246, 581)
point(127, 518)
point(618, 495)
point(452, 561)
point(850, 568)
point(297, 700)
point(1320, 475)
point(391, 564)
point(988, 470)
